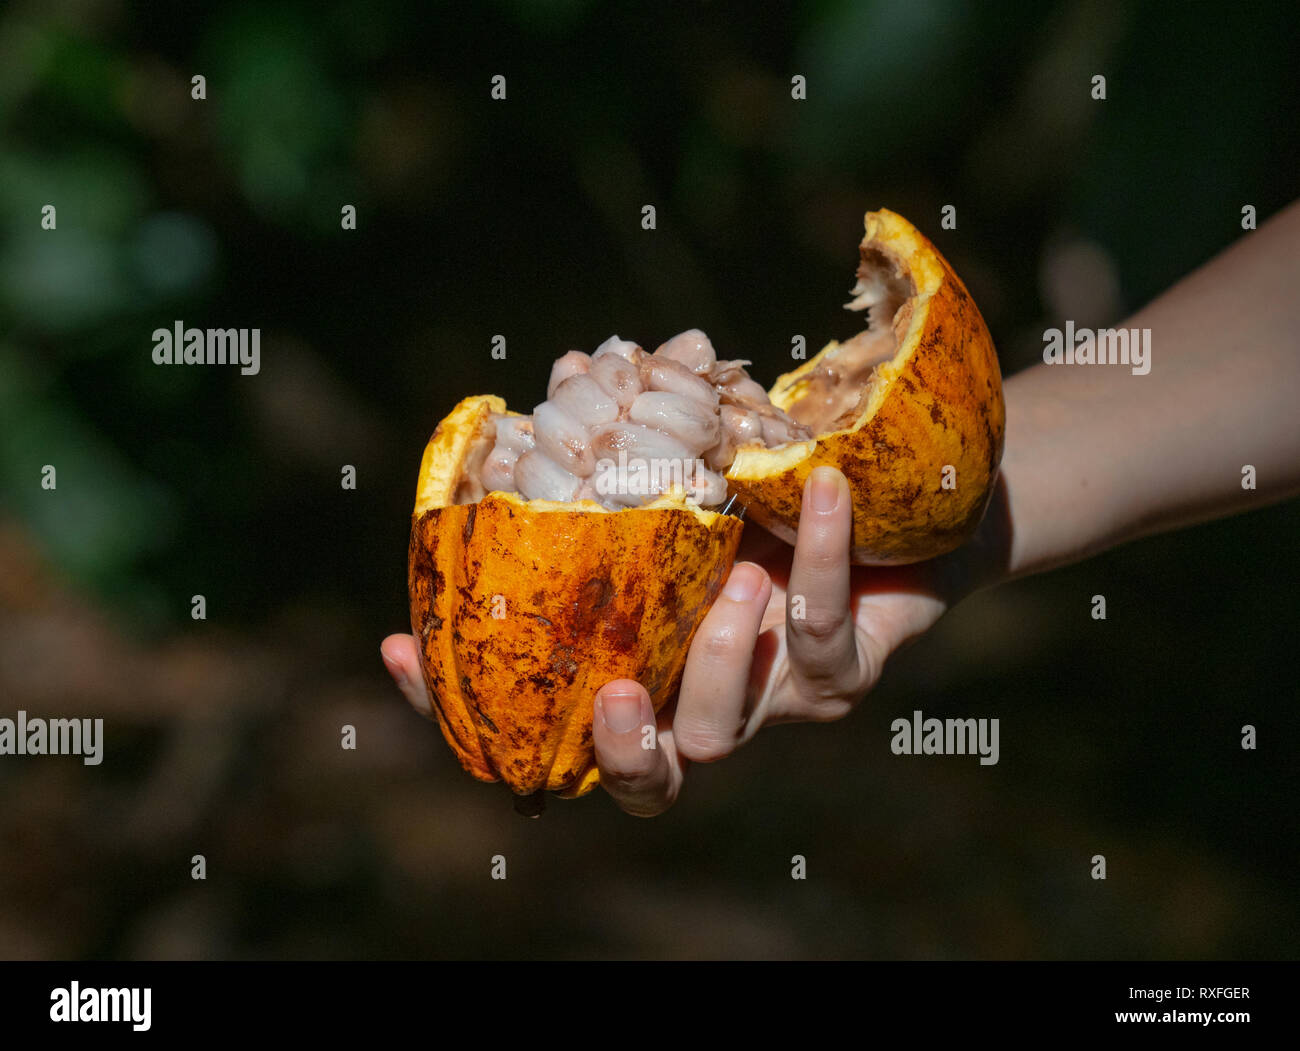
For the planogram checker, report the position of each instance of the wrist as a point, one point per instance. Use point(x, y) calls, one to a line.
point(984, 560)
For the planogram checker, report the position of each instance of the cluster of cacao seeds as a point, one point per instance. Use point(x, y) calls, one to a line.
point(679, 405)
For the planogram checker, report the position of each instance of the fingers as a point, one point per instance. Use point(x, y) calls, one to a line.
point(714, 705)
point(638, 764)
point(638, 753)
point(643, 769)
point(402, 660)
point(820, 636)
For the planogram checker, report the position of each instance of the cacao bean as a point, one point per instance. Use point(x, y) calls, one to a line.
point(692, 348)
point(622, 348)
point(541, 478)
point(582, 399)
point(618, 377)
point(638, 442)
point(668, 375)
point(693, 424)
point(573, 363)
point(563, 439)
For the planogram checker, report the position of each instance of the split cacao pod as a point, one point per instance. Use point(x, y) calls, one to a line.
point(522, 609)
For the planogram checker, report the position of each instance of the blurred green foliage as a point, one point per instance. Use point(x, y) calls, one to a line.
point(522, 218)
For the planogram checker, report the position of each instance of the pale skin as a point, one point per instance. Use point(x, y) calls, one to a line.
point(1095, 456)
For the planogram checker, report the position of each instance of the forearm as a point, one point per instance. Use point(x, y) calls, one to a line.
point(1096, 455)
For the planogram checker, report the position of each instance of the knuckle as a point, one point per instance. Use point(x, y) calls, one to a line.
point(821, 559)
point(627, 773)
point(718, 644)
point(641, 794)
point(823, 676)
point(817, 625)
point(825, 694)
point(826, 542)
point(703, 744)
point(627, 766)
point(815, 567)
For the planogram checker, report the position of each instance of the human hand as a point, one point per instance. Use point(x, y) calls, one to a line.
point(795, 635)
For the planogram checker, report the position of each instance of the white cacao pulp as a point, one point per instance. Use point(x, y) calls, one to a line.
point(621, 426)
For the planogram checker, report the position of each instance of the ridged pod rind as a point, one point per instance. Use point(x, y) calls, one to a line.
point(523, 610)
point(922, 458)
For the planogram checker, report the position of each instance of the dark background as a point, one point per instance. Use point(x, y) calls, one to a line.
point(522, 218)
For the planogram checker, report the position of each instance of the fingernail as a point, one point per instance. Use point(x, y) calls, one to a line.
point(620, 710)
point(394, 669)
point(824, 490)
point(744, 582)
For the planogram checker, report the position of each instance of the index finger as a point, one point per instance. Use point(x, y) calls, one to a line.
point(819, 629)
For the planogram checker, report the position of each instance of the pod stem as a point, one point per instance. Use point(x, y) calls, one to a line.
point(531, 805)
